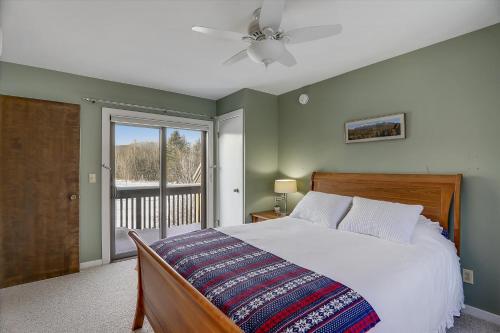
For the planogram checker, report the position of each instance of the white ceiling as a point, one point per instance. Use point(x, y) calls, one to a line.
point(150, 43)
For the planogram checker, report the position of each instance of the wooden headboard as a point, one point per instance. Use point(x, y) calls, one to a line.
point(434, 192)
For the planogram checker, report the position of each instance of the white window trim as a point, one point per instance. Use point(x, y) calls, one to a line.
point(159, 120)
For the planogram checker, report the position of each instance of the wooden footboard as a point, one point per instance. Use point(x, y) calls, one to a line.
point(170, 303)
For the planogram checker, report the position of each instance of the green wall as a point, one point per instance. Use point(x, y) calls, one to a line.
point(38, 83)
point(261, 144)
point(450, 93)
point(232, 102)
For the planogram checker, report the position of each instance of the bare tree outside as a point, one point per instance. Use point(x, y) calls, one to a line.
point(183, 160)
point(139, 161)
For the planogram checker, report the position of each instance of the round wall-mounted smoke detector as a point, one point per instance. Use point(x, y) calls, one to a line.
point(303, 99)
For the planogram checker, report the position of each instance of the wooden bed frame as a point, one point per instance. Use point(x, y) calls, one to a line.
point(435, 192)
point(172, 304)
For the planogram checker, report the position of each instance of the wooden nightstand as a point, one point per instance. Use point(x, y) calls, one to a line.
point(263, 216)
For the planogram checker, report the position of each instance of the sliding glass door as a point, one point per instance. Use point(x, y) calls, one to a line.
point(158, 183)
point(185, 180)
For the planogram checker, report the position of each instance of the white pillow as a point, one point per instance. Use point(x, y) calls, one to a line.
point(383, 219)
point(426, 228)
point(322, 208)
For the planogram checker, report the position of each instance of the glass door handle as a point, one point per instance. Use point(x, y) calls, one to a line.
point(114, 193)
point(73, 197)
point(106, 167)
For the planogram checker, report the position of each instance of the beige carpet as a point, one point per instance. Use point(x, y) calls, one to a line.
point(100, 299)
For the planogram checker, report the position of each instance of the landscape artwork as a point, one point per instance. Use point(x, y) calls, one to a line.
point(389, 127)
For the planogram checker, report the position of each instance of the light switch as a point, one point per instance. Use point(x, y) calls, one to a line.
point(92, 178)
point(468, 276)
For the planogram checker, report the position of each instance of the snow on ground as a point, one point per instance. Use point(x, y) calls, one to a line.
point(133, 183)
point(136, 183)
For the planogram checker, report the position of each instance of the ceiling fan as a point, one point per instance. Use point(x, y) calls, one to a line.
point(266, 40)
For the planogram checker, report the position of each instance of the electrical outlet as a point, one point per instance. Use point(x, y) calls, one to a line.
point(92, 178)
point(468, 276)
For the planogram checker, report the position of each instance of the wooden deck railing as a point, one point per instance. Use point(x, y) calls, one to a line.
point(139, 207)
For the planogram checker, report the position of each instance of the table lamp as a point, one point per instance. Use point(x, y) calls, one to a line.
point(285, 186)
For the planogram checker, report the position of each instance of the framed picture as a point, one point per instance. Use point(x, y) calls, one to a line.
point(390, 127)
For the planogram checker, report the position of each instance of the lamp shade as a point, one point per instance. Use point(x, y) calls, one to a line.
point(285, 185)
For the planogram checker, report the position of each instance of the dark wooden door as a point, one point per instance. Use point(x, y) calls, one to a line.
point(39, 185)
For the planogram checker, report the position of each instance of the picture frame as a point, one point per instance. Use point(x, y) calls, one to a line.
point(381, 128)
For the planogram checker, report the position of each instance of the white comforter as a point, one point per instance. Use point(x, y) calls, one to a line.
point(413, 288)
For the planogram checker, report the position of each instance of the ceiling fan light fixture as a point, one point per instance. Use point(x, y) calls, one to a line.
point(266, 38)
point(266, 51)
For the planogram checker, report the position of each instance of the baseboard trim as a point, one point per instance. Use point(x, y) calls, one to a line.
point(481, 314)
point(88, 264)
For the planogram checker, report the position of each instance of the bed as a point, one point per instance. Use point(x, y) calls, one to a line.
point(413, 288)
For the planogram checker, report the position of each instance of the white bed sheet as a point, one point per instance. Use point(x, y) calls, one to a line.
point(413, 287)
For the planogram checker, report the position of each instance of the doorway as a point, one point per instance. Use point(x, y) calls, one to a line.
point(230, 166)
point(159, 182)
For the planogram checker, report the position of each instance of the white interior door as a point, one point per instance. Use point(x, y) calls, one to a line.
point(230, 169)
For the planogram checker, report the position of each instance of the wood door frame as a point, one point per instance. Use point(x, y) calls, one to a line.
point(161, 120)
point(226, 116)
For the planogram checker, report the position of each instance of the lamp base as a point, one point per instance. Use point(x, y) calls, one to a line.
point(282, 197)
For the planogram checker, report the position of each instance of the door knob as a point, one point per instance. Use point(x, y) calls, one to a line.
point(236, 190)
point(73, 197)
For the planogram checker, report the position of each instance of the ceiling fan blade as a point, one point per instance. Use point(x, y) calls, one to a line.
point(271, 13)
point(287, 59)
point(237, 57)
point(307, 34)
point(231, 35)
